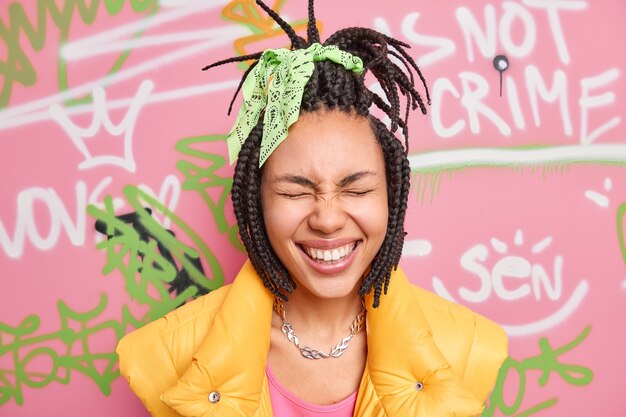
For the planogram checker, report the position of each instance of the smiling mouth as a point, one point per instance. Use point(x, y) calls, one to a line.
point(329, 256)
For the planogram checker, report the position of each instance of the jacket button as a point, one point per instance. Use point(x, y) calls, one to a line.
point(214, 396)
point(419, 386)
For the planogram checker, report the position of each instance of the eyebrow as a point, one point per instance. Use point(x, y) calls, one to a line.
point(306, 182)
point(296, 179)
point(354, 178)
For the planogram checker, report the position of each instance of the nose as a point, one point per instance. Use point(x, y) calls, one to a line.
point(328, 216)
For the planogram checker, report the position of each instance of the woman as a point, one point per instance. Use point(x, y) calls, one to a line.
point(320, 192)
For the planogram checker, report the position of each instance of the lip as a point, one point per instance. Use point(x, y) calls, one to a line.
point(326, 244)
point(332, 268)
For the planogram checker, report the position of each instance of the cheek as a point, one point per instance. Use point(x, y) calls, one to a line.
point(281, 221)
point(271, 217)
point(372, 218)
point(273, 227)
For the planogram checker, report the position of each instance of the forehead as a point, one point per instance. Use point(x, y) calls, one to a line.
point(326, 145)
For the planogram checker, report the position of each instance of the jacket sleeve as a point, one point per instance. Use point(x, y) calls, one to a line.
point(147, 365)
point(488, 351)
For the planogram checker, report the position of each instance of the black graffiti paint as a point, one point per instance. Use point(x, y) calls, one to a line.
point(182, 281)
point(501, 64)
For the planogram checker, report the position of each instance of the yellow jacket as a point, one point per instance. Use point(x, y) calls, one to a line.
point(220, 342)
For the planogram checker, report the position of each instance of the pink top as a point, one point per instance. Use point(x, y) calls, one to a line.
point(286, 404)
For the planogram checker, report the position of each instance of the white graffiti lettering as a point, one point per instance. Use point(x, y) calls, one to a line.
point(472, 100)
point(607, 153)
point(537, 87)
point(29, 222)
point(37, 110)
point(441, 86)
point(26, 225)
point(495, 34)
point(485, 39)
point(514, 104)
point(168, 195)
point(588, 102)
point(540, 326)
point(602, 200)
point(100, 119)
point(418, 247)
point(486, 36)
point(509, 267)
point(553, 8)
point(515, 12)
point(443, 47)
point(514, 277)
point(475, 90)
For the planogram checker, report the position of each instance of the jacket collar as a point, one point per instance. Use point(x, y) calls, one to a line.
point(409, 373)
point(401, 352)
point(231, 359)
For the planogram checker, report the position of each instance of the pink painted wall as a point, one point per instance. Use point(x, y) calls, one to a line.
point(517, 208)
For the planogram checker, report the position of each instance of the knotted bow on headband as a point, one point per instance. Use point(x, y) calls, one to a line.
point(276, 84)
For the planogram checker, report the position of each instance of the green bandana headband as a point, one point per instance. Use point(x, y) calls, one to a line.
point(276, 84)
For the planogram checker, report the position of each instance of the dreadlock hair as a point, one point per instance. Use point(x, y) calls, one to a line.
point(331, 87)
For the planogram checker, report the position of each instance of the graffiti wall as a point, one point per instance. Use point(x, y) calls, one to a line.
point(115, 185)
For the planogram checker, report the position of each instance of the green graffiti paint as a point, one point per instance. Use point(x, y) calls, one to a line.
point(17, 30)
point(547, 362)
point(548, 159)
point(621, 212)
point(202, 178)
point(27, 349)
point(134, 195)
point(427, 184)
point(134, 256)
point(147, 255)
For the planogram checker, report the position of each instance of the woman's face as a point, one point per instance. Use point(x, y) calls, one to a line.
point(324, 198)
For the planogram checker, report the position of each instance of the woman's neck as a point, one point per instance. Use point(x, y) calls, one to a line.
point(323, 317)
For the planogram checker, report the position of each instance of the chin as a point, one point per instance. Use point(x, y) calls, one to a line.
point(326, 287)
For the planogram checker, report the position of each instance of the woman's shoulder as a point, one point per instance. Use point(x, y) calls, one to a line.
point(152, 357)
point(447, 314)
point(436, 301)
point(451, 351)
point(191, 318)
point(474, 345)
point(201, 309)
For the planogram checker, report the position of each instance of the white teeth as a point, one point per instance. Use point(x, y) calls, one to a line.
point(331, 254)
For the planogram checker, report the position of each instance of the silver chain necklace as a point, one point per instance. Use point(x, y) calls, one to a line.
point(357, 325)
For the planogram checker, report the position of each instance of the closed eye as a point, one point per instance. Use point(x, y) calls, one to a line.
point(358, 193)
point(294, 195)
